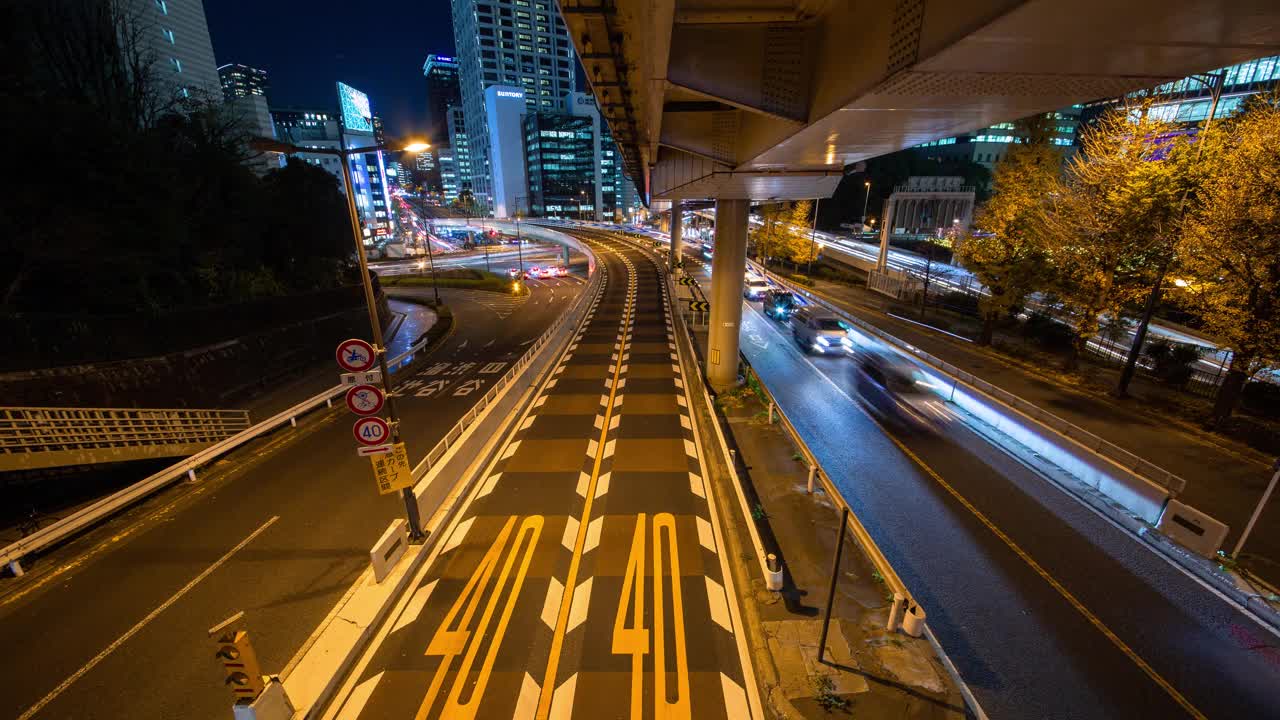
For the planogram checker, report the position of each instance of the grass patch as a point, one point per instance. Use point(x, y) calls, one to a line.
point(824, 693)
point(465, 278)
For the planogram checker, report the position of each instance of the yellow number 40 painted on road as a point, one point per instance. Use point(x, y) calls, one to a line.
point(634, 640)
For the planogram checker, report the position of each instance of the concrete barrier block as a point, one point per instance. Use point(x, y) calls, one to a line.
point(1192, 529)
point(388, 550)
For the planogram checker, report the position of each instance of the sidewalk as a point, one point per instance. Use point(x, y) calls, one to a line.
point(867, 672)
point(1224, 478)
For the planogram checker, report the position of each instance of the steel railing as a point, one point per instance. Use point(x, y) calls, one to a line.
point(34, 430)
point(455, 433)
point(13, 553)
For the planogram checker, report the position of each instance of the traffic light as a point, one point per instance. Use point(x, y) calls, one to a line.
point(241, 671)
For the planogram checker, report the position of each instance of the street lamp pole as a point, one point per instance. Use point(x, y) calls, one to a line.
point(431, 258)
point(813, 236)
point(865, 197)
point(1214, 81)
point(410, 502)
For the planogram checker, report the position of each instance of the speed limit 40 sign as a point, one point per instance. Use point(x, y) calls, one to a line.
point(371, 431)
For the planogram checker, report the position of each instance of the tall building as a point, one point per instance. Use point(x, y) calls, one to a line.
point(179, 41)
point(572, 166)
point(311, 129)
point(242, 81)
point(460, 142)
point(441, 72)
point(379, 135)
point(428, 168)
point(987, 146)
point(448, 174)
point(1187, 100)
point(517, 43)
point(368, 172)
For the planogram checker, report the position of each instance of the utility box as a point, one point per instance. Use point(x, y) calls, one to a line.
point(1192, 529)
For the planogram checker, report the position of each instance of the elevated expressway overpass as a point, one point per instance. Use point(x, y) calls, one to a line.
point(741, 100)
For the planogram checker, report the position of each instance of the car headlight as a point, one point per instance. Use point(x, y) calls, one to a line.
point(823, 341)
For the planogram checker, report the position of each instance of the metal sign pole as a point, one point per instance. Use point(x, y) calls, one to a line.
point(410, 503)
point(835, 575)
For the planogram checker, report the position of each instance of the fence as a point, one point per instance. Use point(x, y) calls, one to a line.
point(35, 437)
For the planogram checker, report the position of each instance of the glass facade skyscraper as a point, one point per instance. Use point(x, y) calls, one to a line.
point(242, 81)
point(518, 43)
point(441, 72)
point(560, 164)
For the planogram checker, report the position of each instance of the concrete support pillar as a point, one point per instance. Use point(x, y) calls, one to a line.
point(886, 229)
point(677, 232)
point(728, 268)
point(566, 256)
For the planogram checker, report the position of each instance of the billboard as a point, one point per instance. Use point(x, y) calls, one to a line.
point(357, 115)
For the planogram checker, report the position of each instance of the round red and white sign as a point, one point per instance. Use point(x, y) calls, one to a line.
point(355, 355)
point(365, 400)
point(371, 431)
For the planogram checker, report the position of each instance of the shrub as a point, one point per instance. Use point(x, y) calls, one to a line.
point(960, 302)
point(1261, 398)
point(1172, 363)
point(1047, 332)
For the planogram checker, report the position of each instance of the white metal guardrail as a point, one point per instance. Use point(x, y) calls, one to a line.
point(33, 437)
point(12, 554)
point(507, 378)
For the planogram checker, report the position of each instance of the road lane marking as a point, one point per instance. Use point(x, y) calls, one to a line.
point(359, 697)
point(557, 639)
point(527, 703)
point(451, 643)
point(551, 606)
point(581, 604)
point(416, 603)
point(570, 533)
point(62, 687)
point(458, 534)
point(717, 604)
point(562, 708)
point(1044, 574)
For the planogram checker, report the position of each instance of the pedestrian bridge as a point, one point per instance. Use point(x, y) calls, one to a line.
point(43, 437)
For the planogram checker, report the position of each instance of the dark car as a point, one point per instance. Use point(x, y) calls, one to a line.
point(899, 392)
point(779, 304)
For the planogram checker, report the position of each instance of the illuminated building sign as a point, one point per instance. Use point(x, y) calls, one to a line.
point(357, 116)
point(509, 94)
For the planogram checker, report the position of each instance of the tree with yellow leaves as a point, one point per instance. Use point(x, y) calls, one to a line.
point(1230, 246)
point(783, 233)
point(1109, 224)
point(1004, 252)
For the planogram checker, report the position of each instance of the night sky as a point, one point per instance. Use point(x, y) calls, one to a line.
point(307, 47)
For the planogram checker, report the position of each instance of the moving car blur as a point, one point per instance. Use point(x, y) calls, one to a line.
point(899, 392)
point(779, 304)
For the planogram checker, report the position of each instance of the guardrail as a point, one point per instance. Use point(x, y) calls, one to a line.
point(12, 554)
point(37, 436)
point(1103, 448)
point(451, 437)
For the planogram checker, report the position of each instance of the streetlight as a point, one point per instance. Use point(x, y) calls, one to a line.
point(1214, 82)
point(865, 197)
point(271, 145)
point(431, 258)
point(582, 199)
point(813, 233)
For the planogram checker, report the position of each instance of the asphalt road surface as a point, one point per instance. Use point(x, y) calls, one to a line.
point(1047, 609)
point(585, 575)
point(114, 624)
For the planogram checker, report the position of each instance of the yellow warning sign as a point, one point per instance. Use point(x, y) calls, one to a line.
point(391, 470)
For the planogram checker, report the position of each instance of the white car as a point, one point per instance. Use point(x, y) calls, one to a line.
point(755, 288)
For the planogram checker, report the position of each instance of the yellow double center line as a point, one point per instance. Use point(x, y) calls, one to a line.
point(566, 600)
